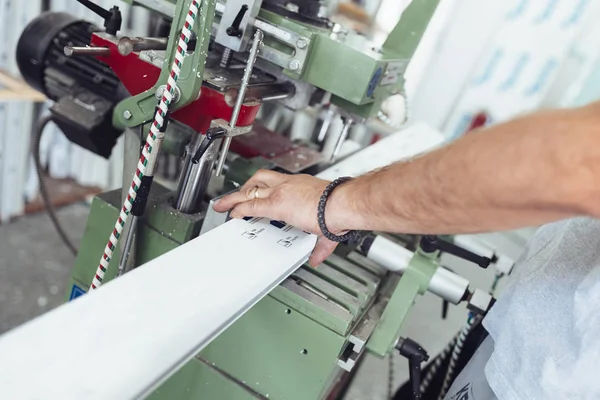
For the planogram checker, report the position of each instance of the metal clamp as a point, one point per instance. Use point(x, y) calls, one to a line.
point(231, 132)
point(298, 43)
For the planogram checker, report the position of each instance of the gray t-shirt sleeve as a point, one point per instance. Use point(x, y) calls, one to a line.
point(546, 324)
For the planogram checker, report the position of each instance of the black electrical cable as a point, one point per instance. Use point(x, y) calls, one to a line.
point(42, 123)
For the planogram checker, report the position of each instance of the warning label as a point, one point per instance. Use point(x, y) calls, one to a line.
point(76, 291)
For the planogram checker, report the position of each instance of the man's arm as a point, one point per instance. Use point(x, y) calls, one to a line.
point(532, 170)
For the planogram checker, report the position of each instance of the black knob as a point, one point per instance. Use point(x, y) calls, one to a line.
point(234, 29)
point(112, 18)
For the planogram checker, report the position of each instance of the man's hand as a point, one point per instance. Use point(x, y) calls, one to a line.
point(290, 198)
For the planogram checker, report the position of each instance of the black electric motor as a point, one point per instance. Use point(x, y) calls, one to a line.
point(85, 90)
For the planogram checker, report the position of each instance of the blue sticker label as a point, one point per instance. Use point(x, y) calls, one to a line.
point(374, 82)
point(76, 291)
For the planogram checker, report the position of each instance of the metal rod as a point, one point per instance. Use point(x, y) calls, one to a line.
point(326, 124)
point(258, 37)
point(128, 246)
point(128, 45)
point(342, 138)
point(71, 51)
point(195, 177)
point(263, 92)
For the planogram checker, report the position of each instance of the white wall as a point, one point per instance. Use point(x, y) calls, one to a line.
point(18, 181)
point(506, 58)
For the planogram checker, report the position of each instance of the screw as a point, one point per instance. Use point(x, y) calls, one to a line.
point(127, 114)
point(160, 91)
point(301, 43)
point(294, 65)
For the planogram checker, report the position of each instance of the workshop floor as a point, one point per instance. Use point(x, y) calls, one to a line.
point(34, 267)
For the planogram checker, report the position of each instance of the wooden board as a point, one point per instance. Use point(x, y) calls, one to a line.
point(13, 89)
point(62, 192)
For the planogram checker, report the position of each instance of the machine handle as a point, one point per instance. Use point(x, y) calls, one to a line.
point(234, 30)
point(416, 355)
point(211, 135)
point(430, 244)
point(112, 18)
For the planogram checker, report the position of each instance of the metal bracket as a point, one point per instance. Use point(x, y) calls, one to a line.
point(299, 44)
point(190, 80)
point(231, 132)
point(230, 15)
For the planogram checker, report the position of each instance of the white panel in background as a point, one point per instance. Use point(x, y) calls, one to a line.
point(60, 156)
point(429, 44)
point(20, 123)
point(520, 63)
point(4, 194)
point(576, 82)
point(463, 40)
point(413, 140)
point(32, 186)
point(136, 330)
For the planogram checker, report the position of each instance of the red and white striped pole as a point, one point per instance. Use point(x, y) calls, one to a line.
point(152, 146)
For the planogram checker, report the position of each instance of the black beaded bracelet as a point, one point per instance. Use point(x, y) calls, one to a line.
point(349, 236)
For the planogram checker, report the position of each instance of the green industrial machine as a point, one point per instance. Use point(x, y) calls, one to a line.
point(299, 342)
point(304, 339)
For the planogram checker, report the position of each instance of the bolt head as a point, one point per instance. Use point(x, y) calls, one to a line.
point(159, 92)
point(294, 65)
point(301, 43)
point(127, 114)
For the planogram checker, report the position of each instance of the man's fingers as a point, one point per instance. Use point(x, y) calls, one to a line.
point(323, 249)
point(267, 178)
point(264, 178)
point(231, 200)
point(252, 208)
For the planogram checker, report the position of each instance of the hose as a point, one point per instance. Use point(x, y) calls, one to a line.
point(39, 130)
point(390, 395)
point(458, 347)
point(152, 146)
point(436, 365)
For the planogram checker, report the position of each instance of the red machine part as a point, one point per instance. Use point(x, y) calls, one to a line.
point(138, 76)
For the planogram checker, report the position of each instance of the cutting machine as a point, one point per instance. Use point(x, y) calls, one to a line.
point(197, 86)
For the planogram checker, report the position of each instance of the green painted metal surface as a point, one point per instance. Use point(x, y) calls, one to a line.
point(197, 381)
point(176, 138)
point(414, 281)
point(166, 220)
point(282, 354)
point(333, 64)
point(406, 35)
point(100, 224)
point(339, 322)
point(142, 106)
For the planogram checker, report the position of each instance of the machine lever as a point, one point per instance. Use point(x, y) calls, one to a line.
point(429, 244)
point(112, 18)
point(416, 355)
point(211, 135)
point(234, 29)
